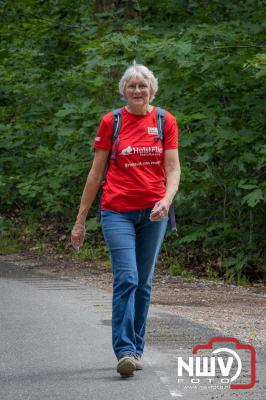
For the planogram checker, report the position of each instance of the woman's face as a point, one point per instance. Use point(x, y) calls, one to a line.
point(138, 93)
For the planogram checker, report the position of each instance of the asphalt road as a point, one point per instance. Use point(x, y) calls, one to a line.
point(55, 343)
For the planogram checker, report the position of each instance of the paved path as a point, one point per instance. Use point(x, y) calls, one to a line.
point(56, 344)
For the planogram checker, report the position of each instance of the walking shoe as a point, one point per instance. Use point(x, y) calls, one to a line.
point(138, 362)
point(126, 365)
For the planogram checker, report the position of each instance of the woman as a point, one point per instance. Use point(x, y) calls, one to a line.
point(139, 188)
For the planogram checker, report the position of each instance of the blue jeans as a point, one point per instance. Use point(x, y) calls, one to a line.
point(134, 243)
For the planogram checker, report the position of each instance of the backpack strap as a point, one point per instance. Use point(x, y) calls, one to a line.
point(160, 117)
point(117, 121)
point(172, 217)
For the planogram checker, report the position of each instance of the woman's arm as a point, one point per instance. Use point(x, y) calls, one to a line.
point(172, 172)
point(92, 185)
point(90, 190)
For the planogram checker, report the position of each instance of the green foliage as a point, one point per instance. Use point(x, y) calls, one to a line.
point(9, 245)
point(234, 267)
point(176, 269)
point(92, 224)
point(60, 67)
point(8, 238)
point(93, 253)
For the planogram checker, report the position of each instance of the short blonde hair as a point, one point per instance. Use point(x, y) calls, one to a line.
point(138, 71)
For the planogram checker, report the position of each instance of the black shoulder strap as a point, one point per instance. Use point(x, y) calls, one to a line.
point(160, 116)
point(160, 126)
point(117, 118)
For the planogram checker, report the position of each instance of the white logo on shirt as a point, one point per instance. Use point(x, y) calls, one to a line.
point(127, 150)
point(152, 130)
point(97, 139)
point(142, 151)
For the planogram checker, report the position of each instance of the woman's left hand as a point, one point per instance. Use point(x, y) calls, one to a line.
point(160, 210)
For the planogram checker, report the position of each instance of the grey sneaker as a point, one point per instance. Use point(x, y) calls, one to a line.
point(138, 362)
point(126, 365)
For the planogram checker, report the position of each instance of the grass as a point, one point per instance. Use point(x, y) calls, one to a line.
point(94, 253)
point(29, 234)
point(9, 245)
point(32, 235)
point(9, 242)
point(176, 269)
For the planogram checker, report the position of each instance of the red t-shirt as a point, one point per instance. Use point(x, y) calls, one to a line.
point(138, 179)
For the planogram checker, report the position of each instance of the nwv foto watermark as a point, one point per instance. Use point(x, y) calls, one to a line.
point(223, 363)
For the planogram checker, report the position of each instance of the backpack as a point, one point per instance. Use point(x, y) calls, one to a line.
point(117, 118)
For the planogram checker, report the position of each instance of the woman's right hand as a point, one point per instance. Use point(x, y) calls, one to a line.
point(78, 235)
